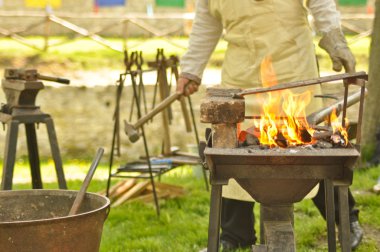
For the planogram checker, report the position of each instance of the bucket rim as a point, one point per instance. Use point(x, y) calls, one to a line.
point(52, 193)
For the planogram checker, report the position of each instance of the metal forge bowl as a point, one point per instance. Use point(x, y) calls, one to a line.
point(280, 176)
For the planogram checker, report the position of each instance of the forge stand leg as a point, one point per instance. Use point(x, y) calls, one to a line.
point(214, 218)
point(330, 215)
point(9, 155)
point(344, 222)
point(55, 153)
point(277, 227)
point(34, 160)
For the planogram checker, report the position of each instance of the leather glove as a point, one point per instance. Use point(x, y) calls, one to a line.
point(335, 44)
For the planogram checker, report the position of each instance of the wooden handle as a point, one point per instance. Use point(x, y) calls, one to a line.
point(162, 105)
point(79, 198)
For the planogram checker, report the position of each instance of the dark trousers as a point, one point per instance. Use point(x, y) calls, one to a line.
point(237, 222)
point(319, 202)
point(237, 217)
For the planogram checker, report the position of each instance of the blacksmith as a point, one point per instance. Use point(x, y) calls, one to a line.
point(254, 30)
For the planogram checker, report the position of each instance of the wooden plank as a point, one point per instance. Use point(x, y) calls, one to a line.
point(133, 192)
point(112, 188)
point(123, 188)
point(148, 197)
point(168, 187)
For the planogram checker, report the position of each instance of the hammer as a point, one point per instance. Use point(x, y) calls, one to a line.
point(131, 130)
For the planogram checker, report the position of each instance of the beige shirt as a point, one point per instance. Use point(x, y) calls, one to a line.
point(207, 31)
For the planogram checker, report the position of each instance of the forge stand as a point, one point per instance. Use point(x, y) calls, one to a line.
point(277, 178)
point(21, 88)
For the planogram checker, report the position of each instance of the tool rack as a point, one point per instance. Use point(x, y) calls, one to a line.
point(149, 167)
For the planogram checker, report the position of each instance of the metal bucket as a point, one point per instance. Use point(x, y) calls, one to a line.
point(36, 220)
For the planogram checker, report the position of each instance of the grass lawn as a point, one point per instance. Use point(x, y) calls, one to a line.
point(183, 223)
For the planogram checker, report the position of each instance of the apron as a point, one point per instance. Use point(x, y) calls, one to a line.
point(256, 29)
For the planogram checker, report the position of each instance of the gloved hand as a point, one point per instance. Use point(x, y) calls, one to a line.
point(186, 86)
point(335, 44)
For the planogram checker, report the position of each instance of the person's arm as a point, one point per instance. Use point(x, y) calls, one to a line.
point(327, 22)
point(205, 34)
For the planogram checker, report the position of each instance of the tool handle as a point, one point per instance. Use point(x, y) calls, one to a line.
point(55, 79)
point(161, 106)
point(80, 196)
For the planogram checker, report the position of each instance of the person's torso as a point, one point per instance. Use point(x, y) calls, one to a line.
point(256, 29)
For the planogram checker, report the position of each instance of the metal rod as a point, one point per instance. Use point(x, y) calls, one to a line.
point(116, 130)
point(360, 116)
point(344, 226)
point(197, 139)
point(319, 116)
point(214, 218)
point(330, 214)
point(345, 101)
point(282, 86)
point(145, 146)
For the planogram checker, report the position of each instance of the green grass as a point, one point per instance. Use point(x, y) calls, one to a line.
point(87, 54)
point(183, 223)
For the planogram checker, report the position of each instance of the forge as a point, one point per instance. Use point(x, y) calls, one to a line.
point(279, 177)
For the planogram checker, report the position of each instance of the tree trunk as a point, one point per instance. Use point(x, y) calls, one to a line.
point(371, 122)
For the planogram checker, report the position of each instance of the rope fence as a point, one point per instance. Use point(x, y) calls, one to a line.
point(136, 19)
point(140, 20)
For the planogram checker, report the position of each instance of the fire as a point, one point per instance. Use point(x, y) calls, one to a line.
point(287, 124)
point(283, 119)
point(337, 127)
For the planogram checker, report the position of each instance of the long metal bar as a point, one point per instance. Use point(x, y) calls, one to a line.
point(330, 214)
point(135, 94)
point(9, 155)
point(344, 226)
point(34, 160)
point(55, 152)
point(116, 130)
point(345, 103)
point(360, 116)
point(295, 84)
point(197, 138)
point(319, 116)
point(214, 218)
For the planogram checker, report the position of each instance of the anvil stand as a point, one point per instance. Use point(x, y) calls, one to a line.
point(21, 109)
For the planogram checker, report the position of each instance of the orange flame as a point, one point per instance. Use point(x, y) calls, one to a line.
point(283, 117)
point(337, 126)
